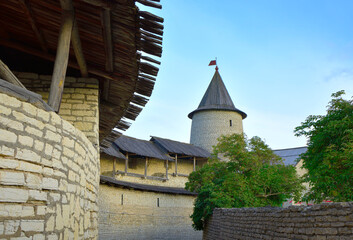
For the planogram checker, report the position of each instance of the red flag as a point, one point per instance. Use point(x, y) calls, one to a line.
point(213, 62)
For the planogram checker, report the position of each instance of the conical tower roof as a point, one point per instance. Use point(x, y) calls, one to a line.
point(217, 98)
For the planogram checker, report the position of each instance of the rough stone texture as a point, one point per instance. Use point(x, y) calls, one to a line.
point(131, 214)
point(323, 221)
point(49, 175)
point(79, 104)
point(209, 125)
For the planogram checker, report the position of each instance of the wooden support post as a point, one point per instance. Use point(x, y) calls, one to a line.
point(166, 169)
point(76, 41)
point(194, 164)
point(114, 167)
point(146, 162)
point(61, 60)
point(126, 162)
point(7, 75)
point(176, 164)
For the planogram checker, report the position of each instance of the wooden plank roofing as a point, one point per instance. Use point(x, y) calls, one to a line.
point(144, 187)
point(114, 34)
point(140, 147)
point(176, 147)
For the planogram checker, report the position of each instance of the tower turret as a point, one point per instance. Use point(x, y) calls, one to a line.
point(216, 115)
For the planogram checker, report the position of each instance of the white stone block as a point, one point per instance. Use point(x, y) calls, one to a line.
point(32, 225)
point(34, 131)
point(11, 124)
point(38, 195)
point(29, 167)
point(41, 210)
point(52, 136)
point(4, 150)
point(5, 110)
point(9, 101)
point(11, 226)
point(13, 195)
point(8, 163)
point(27, 154)
point(7, 136)
point(33, 181)
point(25, 140)
point(50, 183)
point(38, 236)
point(11, 178)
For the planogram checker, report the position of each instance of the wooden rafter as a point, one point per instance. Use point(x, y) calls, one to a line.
point(108, 47)
point(6, 74)
point(51, 57)
point(28, 11)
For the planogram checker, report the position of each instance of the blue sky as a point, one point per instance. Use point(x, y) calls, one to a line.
point(280, 60)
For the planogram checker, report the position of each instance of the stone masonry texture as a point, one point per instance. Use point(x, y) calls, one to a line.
point(79, 104)
point(322, 221)
point(49, 175)
point(209, 125)
point(131, 214)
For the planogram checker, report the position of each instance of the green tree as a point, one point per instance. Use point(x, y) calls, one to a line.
point(253, 177)
point(329, 158)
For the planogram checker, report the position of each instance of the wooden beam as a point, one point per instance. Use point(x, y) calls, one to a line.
point(194, 164)
point(146, 162)
point(29, 13)
point(50, 57)
point(108, 47)
point(76, 41)
point(61, 60)
point(126, 162)
point(176, 164)
point(166, 169)
point(6, 74)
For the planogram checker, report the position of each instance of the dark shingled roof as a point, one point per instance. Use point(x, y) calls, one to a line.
point(140, 147)
point(217, 98)
point(113, 152)
point(171, 146)
point(144, 187)
point(290, 155)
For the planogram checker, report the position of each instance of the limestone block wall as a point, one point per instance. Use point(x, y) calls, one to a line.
point(79, 104)
point(49, 175)
point(323, 221)
point(209, 125)
point(131, 214)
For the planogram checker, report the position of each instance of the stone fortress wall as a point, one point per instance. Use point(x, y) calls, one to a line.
point(49, 169)
point(322, 221)
point(133, 214)
point(208, 125)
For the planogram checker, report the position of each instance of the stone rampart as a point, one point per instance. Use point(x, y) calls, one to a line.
point(323, 221)
point(134, 214)
point(49, 175)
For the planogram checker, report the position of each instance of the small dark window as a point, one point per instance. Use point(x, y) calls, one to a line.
point(157, 202)
point(230, 123)
point(122, 199)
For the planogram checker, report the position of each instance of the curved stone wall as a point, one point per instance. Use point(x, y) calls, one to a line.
point(207, 126)
point(49, 175)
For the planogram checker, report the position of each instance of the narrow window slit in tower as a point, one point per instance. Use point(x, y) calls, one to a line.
point(157, 202)
point(122, 199)
point(230, 123)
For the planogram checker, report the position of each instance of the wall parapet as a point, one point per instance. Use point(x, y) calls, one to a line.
point(49, 175)
point(322, 221)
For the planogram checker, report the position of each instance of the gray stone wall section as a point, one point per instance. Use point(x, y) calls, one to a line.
point(323, 221)
point(207, 126)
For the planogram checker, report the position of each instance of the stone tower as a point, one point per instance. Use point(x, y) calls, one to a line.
point(215, 116)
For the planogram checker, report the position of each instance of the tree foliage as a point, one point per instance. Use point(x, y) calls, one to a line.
point(329, 158)
point(253, 177)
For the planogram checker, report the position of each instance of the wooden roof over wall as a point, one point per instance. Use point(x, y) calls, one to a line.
point(114, 36)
